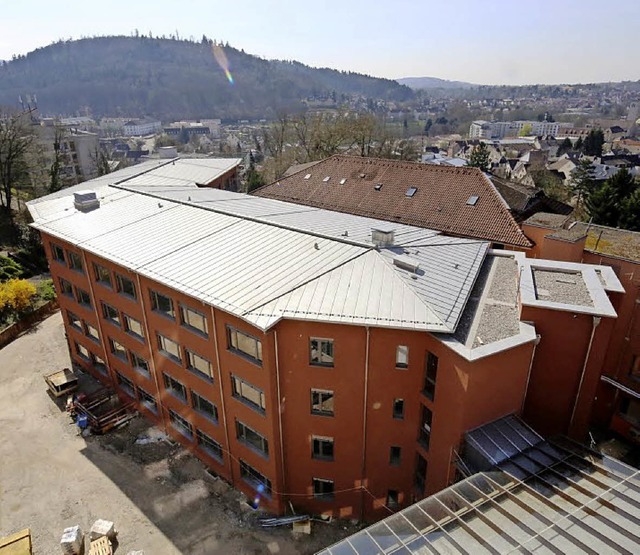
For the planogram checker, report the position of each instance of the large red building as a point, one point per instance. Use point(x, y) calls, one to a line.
point(320, 358)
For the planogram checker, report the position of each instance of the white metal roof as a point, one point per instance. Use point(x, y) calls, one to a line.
point(264, 260)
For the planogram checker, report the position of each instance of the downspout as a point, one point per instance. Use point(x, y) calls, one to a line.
point(526, 388)
point(596, 322)
point(224, 411)
point(282, 465)
point(151, 353)
point(364, 423)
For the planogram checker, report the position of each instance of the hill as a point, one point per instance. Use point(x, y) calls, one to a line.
point(433, 83)
point(168, 78)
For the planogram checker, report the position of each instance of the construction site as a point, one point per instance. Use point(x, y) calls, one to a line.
point(159, 496)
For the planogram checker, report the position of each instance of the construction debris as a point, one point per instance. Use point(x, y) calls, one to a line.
point(103, 410)
point(102, 528)
point(101, 546)
point(16, 544)
point(72, 541)
point(282, 521)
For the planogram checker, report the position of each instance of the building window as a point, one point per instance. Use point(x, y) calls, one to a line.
point(133, 327)
point(125, 286)
point(140, 364)
point(425, 428)
point(99, 364)
point(431, 373)
point(175, 387)
point(169, 348)
point(103, 275)
point(117, 349)
point(193, 320)
point(398, 409)
point(75, 261)
point(321, 352)
point(82, 351)
point(395, 455)
point(199, 365)
point(148, 401)
point(323, 489)
point(66, 288)
point(204, 407)
point(74, 321)
point(634, 371)
point(252, 438)
point(180, 424)
point(322, 448)
point(110, 314)
point(244, 344)
point(162, 304)
point(209, 445)
point(393, 499)
point(247, 393)
point(256, 480)
point(402, 356)
point(57, 252)
point(91, 331)
point(126, 385)
point(322, 402)
point(421, 473)
point(83, 297)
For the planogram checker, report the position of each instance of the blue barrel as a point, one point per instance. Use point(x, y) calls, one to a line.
point(82, 421)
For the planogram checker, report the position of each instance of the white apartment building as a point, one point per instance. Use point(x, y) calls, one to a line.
point(481, 129)
point(133, 128)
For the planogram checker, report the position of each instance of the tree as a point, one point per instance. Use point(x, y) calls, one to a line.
point(582, 181)
point(254, 179)
point(602, 206)
point(526, 130)
point(479, 157)
point(16, 295)
point(616, 202)
point(565, 146)
point(593, 143)
point(55, 181)
point(630, 212)
point(15, 141)
point(579, 143)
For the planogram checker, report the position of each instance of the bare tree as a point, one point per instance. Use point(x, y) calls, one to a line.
point(16, 139)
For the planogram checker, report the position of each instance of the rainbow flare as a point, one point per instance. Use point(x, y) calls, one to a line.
point(221, 58)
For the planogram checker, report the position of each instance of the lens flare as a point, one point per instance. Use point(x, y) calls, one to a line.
point(221, 58)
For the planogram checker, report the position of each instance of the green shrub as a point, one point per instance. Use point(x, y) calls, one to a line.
point(46, 290)
point(9, 269)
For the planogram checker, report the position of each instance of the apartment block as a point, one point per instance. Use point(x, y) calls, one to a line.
point(313, 357)
point(481, 129)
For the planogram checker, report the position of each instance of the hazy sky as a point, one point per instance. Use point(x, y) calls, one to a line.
point(482, 41)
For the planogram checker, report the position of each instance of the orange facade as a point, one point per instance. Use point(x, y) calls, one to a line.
point(335, 419)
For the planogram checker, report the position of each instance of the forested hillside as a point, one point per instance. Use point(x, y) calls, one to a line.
point(168, 78)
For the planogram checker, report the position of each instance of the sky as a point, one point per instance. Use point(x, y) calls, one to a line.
point(479, 41)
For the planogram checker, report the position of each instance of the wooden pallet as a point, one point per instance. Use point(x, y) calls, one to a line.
point(101, 546)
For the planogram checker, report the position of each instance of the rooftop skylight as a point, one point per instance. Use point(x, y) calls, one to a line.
point(411, 191)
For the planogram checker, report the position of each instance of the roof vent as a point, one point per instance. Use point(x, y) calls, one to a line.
point(308, 176)
point(85, 200)
point(471, 201)
point(362, 176)
point(377, 186)
point(326, 179)
point(406, 263)
point(343, 181)
point(411, 191)
point(382, 236)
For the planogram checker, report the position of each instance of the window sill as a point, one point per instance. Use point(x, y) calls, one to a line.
point(253, 448)
point(182, 432)
point(322, 364)
point(136, 336)
point(327, 414)
point(201, 375)
point(324, 459)
point(122, 358)
point(183, 400)
point(318, 497)
point(164, 315)
point(245, 356)
point(251, 405)
point(105, 285)
point(259, 487)
point(127, 296)
point(195, 331)
point(208, 417)
point(142, 372)
point(402, 366)
point(211, 454)
point(171, 357)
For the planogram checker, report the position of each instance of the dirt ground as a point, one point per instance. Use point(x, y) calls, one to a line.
point(159, 496)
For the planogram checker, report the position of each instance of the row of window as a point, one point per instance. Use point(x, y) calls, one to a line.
point(83, 326)
point(201, 405)
point(189, 317)
point(205, 442)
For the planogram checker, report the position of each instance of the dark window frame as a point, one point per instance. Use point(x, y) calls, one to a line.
point(74, 261)
point(80, 292)
point(120, 287)
point(147, 400)
point(395, 455)
point(259, 443)
point(257, 358)
point(327, 493)
point(183, 310)
point(215, 451)
point(168, 354)
point(398, 409)
point(198, 400)
point(193, 369)
point(72, 317)
point(240, 394)
point(126, 384)
point(116, 352)
point(322, 448)
point(255, 479)
point(143, 369)
point(57, 254)
point(180, 424)
point(127, 327)
point(320, 393)
point(99, 278)
point(430, 376)
point(321, 341)
point(173, 387)
point(426, 428)
point(156, 296)
point(66, 287)
point(106, 308)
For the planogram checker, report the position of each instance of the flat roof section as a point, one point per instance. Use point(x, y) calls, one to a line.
point(561, 287)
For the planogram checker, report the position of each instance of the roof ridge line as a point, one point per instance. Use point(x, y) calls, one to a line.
point(248, 218)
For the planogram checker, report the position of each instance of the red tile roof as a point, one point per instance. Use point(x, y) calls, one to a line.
point(440, 201)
